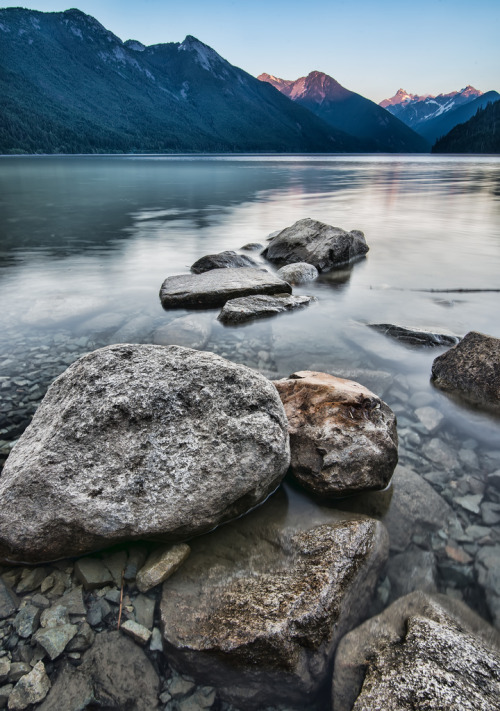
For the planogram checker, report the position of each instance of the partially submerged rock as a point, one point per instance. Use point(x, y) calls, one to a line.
point(191, 331)
point(215, 287)
point(251, 307)
point(222, 260)
point(323, 246)
point(423, 652)
point(343, 438)
point(257, 611)
point(140, 441)
point(415, 336)
point(298, 273)
point(471, 369)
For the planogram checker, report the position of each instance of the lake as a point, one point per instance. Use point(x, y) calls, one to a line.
point(86, 243)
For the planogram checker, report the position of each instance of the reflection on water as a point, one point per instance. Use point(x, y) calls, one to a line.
point(87, 242)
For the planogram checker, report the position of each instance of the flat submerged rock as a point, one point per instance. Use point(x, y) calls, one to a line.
point(252, 307)
point(215, 287)
point(415, 336)
point(140, 441)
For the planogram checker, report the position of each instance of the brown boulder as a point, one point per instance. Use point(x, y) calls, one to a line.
point(343, 438)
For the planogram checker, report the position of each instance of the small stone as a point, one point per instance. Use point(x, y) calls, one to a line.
point(73, 602)
point(458, 555)
point(160, 565)
point(298, 273)
point(55, 639)
point(156, 641)
point(136, 558)
point(31, 579)
point(490, 513)
point(98, 611)
point(5, 692)
point(27, 620)
point(113, 596)
point(429, 417)
point(144, 609)
point(31, 689)
point(82, 640)
point(440, 453)
point(470, 502)
point(116, 564)
point(47, 583)
point(40, 601)
point(199, 700)
point(477, 532)
point(179, 687)
point(92, 573)
point(139, 634)
point(9, 602)
point(55, 616)
point(494, 479)
point(468, 458)
point(4, 669)
point(18, 670)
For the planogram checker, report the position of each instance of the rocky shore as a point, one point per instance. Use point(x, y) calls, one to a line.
point(158, 549)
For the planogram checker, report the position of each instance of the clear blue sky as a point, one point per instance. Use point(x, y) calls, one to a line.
point(371, 47)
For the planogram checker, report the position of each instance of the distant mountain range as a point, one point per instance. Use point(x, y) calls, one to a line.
point(347, 111)
point(480, 134)
point(69, 85)
point(434, 116)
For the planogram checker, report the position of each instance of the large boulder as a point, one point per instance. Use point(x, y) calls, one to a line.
point(140, 441)
point(323, 246)
point(215, 287)
point(343, 438)
point(415, 336)
point(472, 370)
point(258, 608)
point(222, 260)
point(424, 652)
point(249, 308)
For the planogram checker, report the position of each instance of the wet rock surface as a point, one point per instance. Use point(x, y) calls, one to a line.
point(316, 243)
point(423, 652)
point(257, 610)
point(343, 438)
point(472, 370)
point(191, 331)
point(298, 273)
point(248, 308)
point(189, 421)
point(215, 287)
point(222, 260)
point(415, 336)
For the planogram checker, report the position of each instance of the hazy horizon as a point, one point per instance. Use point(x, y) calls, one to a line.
point(356, 43)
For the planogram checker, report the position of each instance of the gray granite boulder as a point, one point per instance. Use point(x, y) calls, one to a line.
point(215, 287)
point(415, 336)
point(424, 652)
point(140, 442)
point(257, 610)
point(471, 370)
point(222, 260)
point(298, 273)
point(252, 307)
point(343, 438)
point(323, 246)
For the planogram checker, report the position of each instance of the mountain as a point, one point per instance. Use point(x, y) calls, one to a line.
point(414, 110)
point(441, 125)
point(480, 134)
point(347, 111)
point(69, 85)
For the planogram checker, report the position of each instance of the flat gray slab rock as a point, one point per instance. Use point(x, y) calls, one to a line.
point(323, 246)
point(472, 370)
point(222, 260)
point(252, 307)
point(257, 610)
point(424, 652)
point(215, 287)
point(140, 442)
point(343, 438)
point(415, 336)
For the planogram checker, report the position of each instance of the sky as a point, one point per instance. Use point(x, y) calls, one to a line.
point(373, 48)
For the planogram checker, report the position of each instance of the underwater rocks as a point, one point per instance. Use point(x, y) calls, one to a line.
point(264, 631)
point(471, 369)
point(140, 442)
point(215, 287)
point(343, 438)
point(323, 246)
point(251, 307)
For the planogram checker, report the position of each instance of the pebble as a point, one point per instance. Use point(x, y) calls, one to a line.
point(160, 565)
point(139, 634)
point(490, 513)
point(92, 573)
point(31, 689)
point(54, 639)
point(26, 621)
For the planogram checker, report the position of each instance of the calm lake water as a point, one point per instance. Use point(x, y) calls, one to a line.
point(87, 241)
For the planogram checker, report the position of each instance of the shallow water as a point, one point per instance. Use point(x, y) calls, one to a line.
point(87, 241)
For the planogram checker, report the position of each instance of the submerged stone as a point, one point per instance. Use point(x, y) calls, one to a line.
point(141, 441)
point(215, 287)
point(323, 246)
point(251, 307)
point(415, 336)
point(343, 438)
point(471, 369)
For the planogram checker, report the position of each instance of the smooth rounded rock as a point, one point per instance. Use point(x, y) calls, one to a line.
point(222, 260)
point(141, 442)
point(343, 438)
point(298, 273)
point(316, 243)
point(471, 370)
